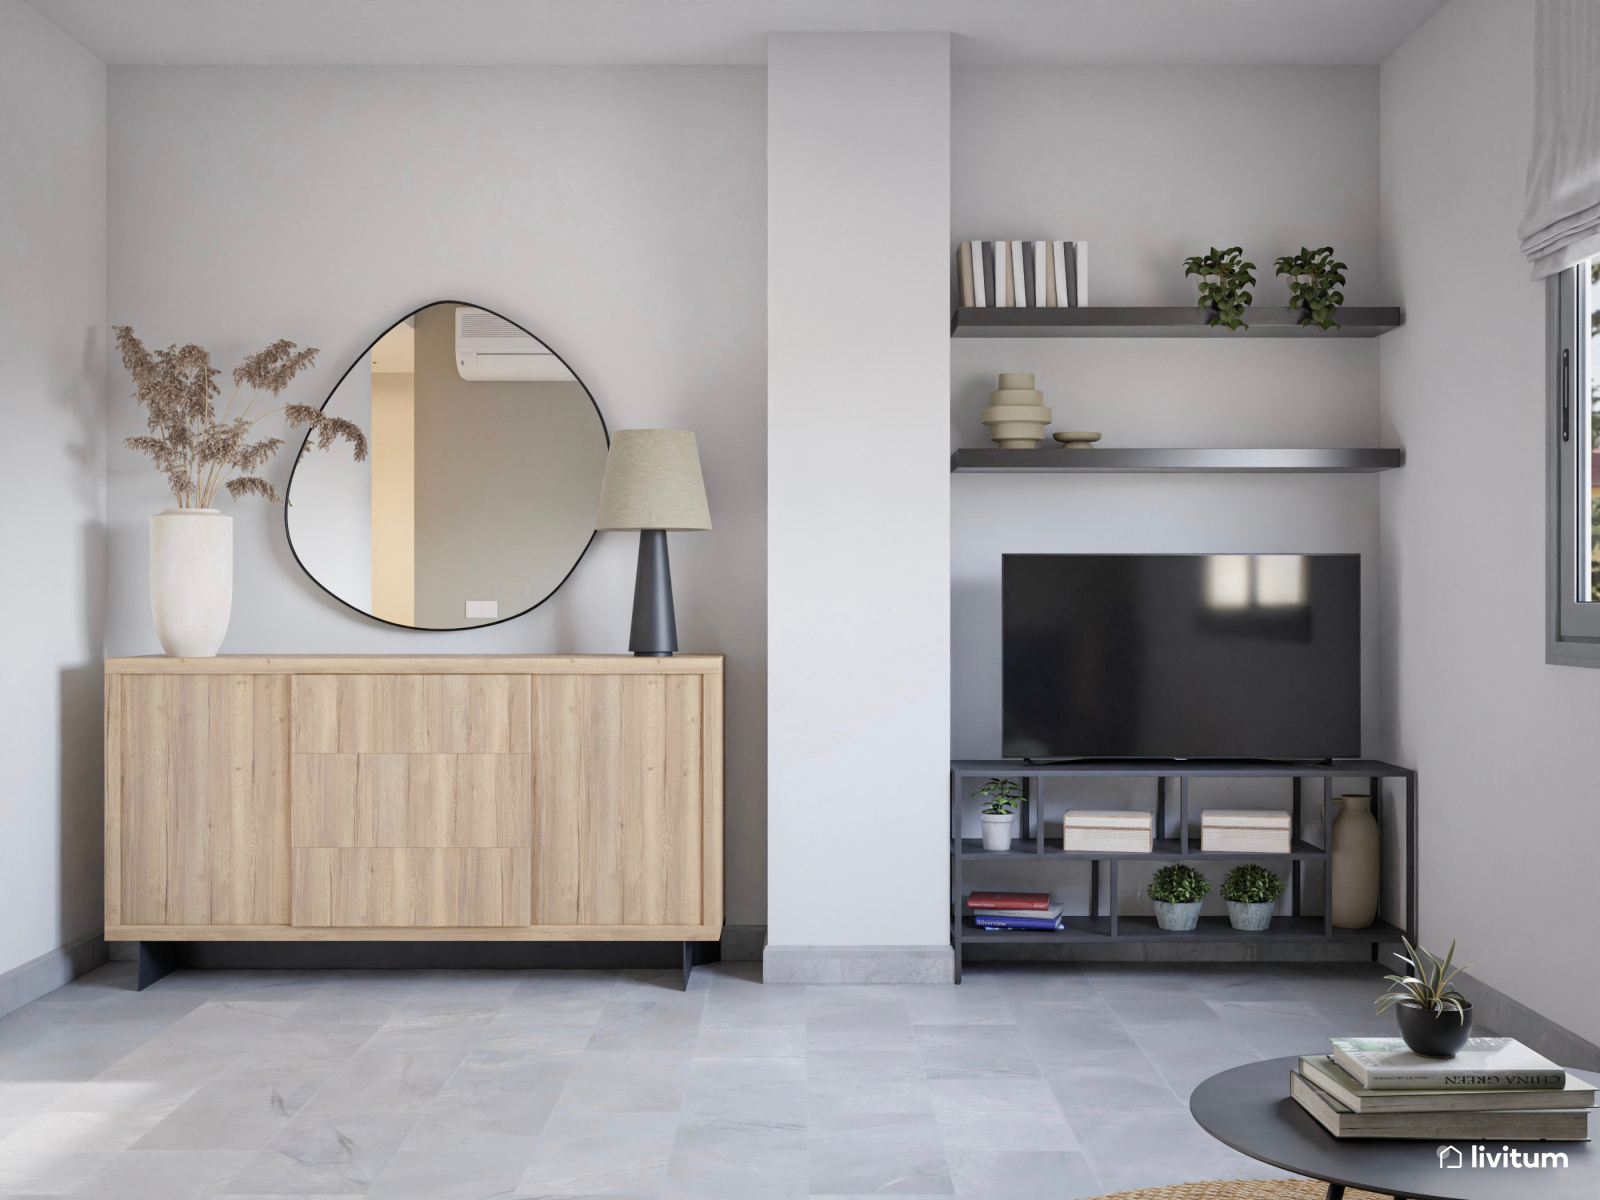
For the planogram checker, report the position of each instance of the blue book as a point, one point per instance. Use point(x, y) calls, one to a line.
point(987, 922)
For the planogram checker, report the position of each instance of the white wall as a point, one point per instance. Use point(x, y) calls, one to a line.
point(619, 214)
point(858, 511)
point(1504, 744)
point(331, 517)
point(52, 392)
point(1150, 165)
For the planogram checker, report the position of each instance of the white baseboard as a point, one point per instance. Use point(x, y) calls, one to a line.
point(858, 964)
point(26, 983)
point(1498, 1012)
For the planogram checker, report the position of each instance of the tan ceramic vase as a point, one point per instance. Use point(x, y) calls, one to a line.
point(1015, 416)
point(1355, 863)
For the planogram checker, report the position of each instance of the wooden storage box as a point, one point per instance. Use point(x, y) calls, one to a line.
point(1115, 831)
point(1244, 831)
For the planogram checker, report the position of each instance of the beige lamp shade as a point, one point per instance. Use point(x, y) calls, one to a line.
point(653, 482)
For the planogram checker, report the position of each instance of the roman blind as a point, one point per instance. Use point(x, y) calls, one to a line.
point(1561, 221)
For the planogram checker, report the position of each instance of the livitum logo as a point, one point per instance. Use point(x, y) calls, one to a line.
point(1506, 1157)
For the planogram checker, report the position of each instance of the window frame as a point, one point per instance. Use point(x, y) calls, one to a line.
point(1572, 629)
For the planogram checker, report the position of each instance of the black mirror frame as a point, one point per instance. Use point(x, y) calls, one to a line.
point(288, 488)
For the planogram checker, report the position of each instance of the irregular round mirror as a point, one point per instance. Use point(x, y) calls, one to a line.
point(479, 493)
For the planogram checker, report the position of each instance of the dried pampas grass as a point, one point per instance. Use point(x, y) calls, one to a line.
point(200, 452)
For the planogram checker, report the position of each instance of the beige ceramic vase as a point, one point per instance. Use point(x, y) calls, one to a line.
point(1015, 416)
point(1355, 863)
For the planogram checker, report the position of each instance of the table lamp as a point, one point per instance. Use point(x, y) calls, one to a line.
point(653, 484)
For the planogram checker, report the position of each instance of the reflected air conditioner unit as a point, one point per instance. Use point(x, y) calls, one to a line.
point(490, 349)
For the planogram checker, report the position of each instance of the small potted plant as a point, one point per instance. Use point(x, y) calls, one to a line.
point(1251, 891)
point(1177, 891)
point(1435, 1019)
point(1223, 277)
point(1002, 798)
point(1314, 278)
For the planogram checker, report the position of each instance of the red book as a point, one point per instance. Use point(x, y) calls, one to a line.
point(1008, 900)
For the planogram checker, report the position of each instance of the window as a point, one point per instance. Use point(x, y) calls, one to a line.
point(1573, 608)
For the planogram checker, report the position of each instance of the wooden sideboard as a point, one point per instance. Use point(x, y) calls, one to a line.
point(418, 798)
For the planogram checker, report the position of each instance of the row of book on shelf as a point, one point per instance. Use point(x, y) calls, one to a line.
point(1023, 274)
point(1493, 1089)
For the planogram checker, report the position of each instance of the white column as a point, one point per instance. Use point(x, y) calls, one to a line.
point(858, 507)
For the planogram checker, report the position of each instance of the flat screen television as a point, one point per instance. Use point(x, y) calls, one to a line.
point(1181, 655)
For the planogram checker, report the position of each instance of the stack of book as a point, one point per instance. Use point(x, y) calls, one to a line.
point(1014, 910)
point(1024, 274)
point(1494, 1089)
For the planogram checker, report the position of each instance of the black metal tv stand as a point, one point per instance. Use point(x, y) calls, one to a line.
point(1111, 927)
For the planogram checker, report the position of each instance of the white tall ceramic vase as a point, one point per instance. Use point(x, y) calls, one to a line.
point(191, 579)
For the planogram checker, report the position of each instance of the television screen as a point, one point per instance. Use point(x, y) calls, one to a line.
point(1181, 656)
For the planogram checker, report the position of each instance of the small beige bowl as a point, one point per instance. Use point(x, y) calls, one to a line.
point(1077, 439)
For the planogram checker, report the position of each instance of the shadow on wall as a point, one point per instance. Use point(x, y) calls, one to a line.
point(81, 800)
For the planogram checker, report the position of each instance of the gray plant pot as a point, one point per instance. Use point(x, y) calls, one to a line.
point(1177, 917)
point(1250, 917)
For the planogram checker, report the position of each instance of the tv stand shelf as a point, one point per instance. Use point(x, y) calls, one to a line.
point(1110, 926)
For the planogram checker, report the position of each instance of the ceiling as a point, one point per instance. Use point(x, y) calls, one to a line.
point(684, 32)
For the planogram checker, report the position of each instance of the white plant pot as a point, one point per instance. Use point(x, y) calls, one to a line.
point(996, 830)
point(191, 580)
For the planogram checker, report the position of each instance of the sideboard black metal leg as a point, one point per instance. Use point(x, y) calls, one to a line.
point(697, 954)
point(156, 961)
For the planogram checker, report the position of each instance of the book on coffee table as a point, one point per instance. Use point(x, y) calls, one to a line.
point(1330, 1077)
point(1492, 1064)
point(1564, 1125)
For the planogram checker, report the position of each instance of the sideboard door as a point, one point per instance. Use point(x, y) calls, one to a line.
point(412, 801)
point(619, 799)
point(204, 799)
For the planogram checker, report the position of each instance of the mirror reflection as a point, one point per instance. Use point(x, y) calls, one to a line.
point(479, 495)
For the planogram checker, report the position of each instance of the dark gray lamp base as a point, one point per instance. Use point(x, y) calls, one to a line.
point(655, 630)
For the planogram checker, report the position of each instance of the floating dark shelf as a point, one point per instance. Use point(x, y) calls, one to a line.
point(1210, 929)
point(1180, 460)
point(972, 848)
point(1180, 321)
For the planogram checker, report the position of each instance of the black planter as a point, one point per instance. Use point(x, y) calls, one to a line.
point(1437, 1035)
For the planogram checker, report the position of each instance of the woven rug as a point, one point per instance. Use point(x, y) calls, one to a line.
point(1240, 1189)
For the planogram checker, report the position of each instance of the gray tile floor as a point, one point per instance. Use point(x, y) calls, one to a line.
point(1054, 1081)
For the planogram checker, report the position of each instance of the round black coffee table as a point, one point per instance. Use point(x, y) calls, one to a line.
point(1248, 1108)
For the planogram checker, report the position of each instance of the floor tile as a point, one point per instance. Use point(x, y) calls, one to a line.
point(231, 1114)
point(615, 1154)
point(609, 1081)
point(164, 1175)
point(326, 1154)
point(878, 1153)
point(388, 1080)
point(457, 1175)
point(1002, 1174)
point(975, 1051)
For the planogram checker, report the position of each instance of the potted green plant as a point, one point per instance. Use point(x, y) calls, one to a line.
point(1251, 891)
point(1314, 278)
point(1435, 1019)
point(1177, 891)
point(1223, 277)
point(1003, 797)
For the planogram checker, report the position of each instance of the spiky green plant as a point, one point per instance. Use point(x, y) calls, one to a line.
point(1003, 796)
point(1179, 883)
point(1314, 278)
point(1251, 883)
point(1432, 987)
point(1223, 277)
